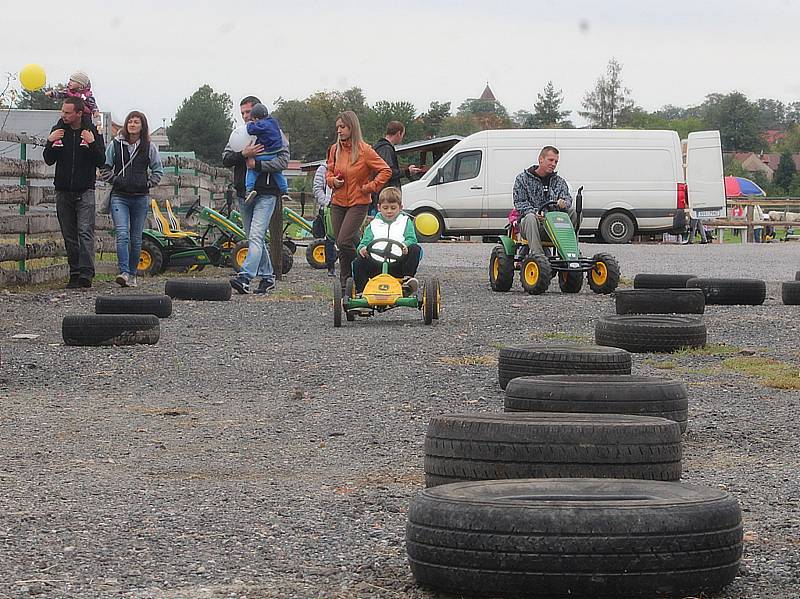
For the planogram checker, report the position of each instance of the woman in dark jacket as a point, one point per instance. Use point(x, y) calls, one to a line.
point(133, 166)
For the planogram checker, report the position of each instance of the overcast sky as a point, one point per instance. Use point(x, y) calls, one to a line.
point(149, 55)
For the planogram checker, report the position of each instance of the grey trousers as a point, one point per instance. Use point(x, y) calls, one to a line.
point(75, 212)
point(532, 229)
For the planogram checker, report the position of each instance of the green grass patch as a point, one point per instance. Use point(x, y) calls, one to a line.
point(559, 336)
point(710, 349)
point(661, 364)
point(770, 373)
point(625, 282)
point(475, 360)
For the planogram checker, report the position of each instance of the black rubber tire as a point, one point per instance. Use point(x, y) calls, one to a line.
point(659, 281)
point(574, 539)
point(157, 264)
point(609, 283)
point(617, 227)
point(570, 281)
point(461, 447)
point(287, 259)
point(311, 259)
point(337, 303)
point(642, 333)
point(110, 329)
point(600, 394)
point(544, 273)
point(195, 289)
point(731, 292)
point(660, 301)
point(790, 293)
point(430, 298)
point(347, 293)
point(158, 305)
point(504, 279)
point(797, 275)
point(530, 360)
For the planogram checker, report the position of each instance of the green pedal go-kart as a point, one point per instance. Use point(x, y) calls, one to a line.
point(384, 291)
point(562, 258)
point(219, 242)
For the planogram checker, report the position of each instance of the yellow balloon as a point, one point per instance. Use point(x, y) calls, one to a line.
point(427, 224)
point(32, 77)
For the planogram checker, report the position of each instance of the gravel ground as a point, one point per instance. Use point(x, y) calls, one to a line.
point(255, 451)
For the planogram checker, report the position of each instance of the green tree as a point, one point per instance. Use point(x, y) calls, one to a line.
point(737, 120)
point(490, 114)
point(733, 168)
point(790, 143)
point(785, 172)
point(202, 124)
point(547, 113)
point(432, 119)
point(609, 104)
point(37, 101)
point(379, 115)
point(460, 124)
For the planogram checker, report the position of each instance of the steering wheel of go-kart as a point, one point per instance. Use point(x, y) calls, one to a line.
point(193, 208)
point(552, 205)
point(391, 250)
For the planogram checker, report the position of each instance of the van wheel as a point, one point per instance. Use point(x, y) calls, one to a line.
point(429, 226)
point(617, 227)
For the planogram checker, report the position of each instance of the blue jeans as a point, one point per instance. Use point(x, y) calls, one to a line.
point(277, 178)
point(129, 214)
point(255, 218)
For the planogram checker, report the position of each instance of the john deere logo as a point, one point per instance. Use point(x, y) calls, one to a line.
point(383, 287)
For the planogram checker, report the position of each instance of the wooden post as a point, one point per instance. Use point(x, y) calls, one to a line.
point(749, 209)
point(276, 238)
point(23, 181)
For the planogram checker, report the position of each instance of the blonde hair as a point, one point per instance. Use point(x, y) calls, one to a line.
point(350, 119)
point(390, 195)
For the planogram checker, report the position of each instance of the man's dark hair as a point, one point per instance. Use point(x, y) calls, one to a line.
point(547, 149)
point(77, 103)
point(252, 100)
point(394, 127)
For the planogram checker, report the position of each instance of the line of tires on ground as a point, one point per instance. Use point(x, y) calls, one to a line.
point(573, 490)
point(134, 319)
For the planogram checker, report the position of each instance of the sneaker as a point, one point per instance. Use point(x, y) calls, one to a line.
point(73, 282)
point(132, 281)
point(84, 282)
point(411, 285)
point(240, 284)
point(265, 286)
point(58, 144)
point(286, 198)
point(122, 279)
point(84, 144)
point(332, 271)
point(250, 197)
point(522, 251)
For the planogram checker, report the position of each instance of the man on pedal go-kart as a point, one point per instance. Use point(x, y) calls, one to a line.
point(543, 206)
point(533, 189)
point(389, 223)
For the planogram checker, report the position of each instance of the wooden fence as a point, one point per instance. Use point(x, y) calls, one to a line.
point(185, 180)
point(748, 223)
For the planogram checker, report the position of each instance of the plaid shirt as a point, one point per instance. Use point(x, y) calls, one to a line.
point(530, 193)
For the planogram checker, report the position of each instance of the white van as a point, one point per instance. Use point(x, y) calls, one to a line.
point(633, 180)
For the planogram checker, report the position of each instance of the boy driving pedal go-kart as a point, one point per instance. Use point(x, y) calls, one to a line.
point(384, 271)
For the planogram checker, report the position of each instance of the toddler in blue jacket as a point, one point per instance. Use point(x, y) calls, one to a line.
point(268, 134)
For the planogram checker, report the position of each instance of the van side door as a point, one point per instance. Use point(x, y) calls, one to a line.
point(460, 186)
point(705, 182)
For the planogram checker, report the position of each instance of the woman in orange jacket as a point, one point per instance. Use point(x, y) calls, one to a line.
point(355, 171)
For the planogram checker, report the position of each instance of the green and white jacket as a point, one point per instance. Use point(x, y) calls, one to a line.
point(401, 229)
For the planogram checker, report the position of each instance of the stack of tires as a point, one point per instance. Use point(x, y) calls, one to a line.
point(662, 312)
point(134, 319)
point(572, 491)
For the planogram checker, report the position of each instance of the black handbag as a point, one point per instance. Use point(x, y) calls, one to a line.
point(318, 225)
